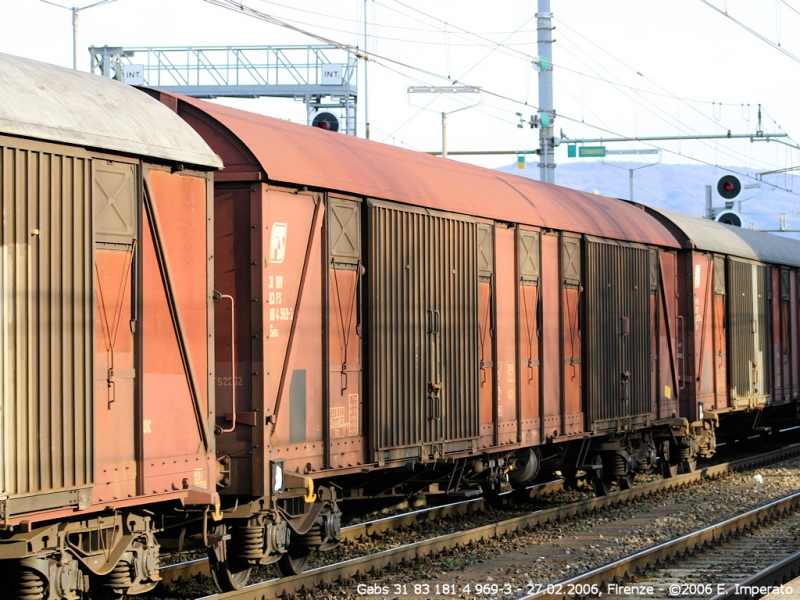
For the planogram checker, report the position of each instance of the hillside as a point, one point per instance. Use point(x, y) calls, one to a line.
point(678, 187)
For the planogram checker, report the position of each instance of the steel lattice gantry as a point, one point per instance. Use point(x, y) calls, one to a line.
point(322, 76)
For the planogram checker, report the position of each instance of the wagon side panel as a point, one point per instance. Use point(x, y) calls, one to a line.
point(47, 346)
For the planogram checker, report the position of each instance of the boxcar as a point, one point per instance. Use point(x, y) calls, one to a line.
point(106, 394)
point(405, 323)
point(738, 327)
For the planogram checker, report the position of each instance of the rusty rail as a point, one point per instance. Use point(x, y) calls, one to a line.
point(359, 567)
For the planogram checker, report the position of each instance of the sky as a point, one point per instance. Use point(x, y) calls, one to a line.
point(621, 67)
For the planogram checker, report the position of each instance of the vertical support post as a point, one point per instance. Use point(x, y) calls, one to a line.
point(352, 115)
point(107, 62)
point(309, 109)
point(544, 29)
point(630, 177)
point(366, 63)
point(709, 209)
point(444, 135)
point(75, 11)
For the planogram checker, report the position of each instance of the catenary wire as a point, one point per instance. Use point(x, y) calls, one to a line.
point(246, 10)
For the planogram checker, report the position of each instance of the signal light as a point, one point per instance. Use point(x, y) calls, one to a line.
point(326, 120)
point(729, 187)
point(729, 217)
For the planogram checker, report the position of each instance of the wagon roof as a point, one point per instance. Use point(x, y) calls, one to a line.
point(710, 236)
point(299, 154)
point(47, 102)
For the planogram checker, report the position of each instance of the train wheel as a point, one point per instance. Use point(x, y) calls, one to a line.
point(667, 464)
point(228, 575)
point(294, 561)
point(626, 482)
point(527, 468)
point(600, 481)
point(668, 469)
point(689, 465)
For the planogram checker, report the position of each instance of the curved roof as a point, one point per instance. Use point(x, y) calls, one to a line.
point(710, 236)
point(52, 103)
point(302, 155)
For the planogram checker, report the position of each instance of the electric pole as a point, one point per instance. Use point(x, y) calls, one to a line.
point(75, 10)
point(544, 30)
point(366, 66)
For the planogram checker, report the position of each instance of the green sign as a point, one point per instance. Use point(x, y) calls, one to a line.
point(594, 151)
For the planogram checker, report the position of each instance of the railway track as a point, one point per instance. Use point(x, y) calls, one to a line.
point(713, 562)
point(359, 567)
point(359, 531)
point(775, 575)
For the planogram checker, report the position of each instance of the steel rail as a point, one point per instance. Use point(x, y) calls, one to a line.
point(288, 586)
point(629, 566)
point(773, 576)
point(172, 573)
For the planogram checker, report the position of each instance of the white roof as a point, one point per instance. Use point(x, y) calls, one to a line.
point(52, 103)
point(710, 236)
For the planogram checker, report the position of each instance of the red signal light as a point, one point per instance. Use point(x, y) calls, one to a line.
point(729, 187)
point(326, 121)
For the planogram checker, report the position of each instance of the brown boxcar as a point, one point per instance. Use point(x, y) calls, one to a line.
point(738, 318)
point(405, 323)
point(106, 402)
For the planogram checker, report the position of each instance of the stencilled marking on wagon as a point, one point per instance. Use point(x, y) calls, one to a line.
point(277, 243)
point(199, 481)
point(353, 416)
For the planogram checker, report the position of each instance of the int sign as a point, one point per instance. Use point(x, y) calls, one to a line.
point(586, 151)
point(332, 74)
point(133, 74)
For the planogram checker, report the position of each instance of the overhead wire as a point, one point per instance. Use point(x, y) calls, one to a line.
point(465, 73)
point(240, 7)
point(785, 3)
point(667, 93)
point(752, 31)
point(488, 43)
point(634, 99)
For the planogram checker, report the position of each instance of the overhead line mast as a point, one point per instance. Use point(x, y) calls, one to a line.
point(546, 116)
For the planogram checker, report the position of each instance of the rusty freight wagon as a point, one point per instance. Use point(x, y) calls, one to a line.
point(406, 323)
point(106, 398)
point(739, 367)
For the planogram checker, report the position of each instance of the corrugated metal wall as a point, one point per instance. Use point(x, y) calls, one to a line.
point(422, 276)
point(748, 332)
point(618, 331)
point(46, 328)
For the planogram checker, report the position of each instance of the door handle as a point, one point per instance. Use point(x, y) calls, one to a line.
point(434, 321)
point(228, 297)
point(436, 407)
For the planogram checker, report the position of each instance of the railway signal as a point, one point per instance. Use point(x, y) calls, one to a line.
point(729, 187)
point(326, 120)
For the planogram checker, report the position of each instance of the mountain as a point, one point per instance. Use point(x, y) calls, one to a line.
point(680, 187)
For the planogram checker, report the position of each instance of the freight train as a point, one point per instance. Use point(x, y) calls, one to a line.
point(228, 325)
